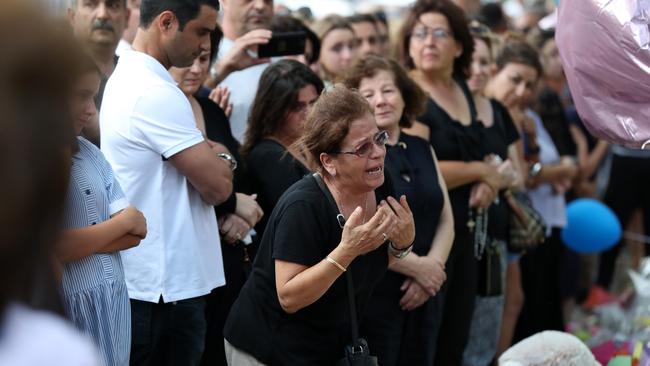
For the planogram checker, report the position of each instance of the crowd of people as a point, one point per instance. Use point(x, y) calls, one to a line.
point(181, 201)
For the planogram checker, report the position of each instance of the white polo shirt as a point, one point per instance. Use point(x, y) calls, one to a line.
point(145, 120)
point(243, 87)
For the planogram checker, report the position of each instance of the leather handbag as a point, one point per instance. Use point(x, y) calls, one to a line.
point(527, 227)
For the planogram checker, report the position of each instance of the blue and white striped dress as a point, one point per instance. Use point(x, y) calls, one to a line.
point(94, 289)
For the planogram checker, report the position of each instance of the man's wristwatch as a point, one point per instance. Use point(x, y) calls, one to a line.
point(534, 170)
point(228, 158)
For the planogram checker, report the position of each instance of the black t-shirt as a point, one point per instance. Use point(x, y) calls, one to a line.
point(271, 170)
point(498, 138)
point(302, 229)
point(455, 142)
point(551, 110)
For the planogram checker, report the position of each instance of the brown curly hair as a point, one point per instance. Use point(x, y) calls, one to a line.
point(458, 23)
point(414, 97)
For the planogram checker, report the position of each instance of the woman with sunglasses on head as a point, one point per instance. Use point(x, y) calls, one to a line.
point(403, 317)
point(239, 213)
point(501, 140)
point(286, 91)
point(518, 69)
point(437, 47)
point(341, 222)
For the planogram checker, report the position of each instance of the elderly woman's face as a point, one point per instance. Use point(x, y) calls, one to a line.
point(366, 172)
point(432, 45)
point(384, 97)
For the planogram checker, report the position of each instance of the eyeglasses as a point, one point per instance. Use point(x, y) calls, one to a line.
point(439, 34)
point(380, 139)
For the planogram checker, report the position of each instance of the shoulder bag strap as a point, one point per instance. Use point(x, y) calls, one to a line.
point(350, 284)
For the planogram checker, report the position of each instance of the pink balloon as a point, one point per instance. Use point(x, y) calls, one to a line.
point(605, 51)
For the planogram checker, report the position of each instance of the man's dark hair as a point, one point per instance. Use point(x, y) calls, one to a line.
point(184, 10)
point(362, 18)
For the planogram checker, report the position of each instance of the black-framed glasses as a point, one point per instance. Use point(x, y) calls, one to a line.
point(380, 139)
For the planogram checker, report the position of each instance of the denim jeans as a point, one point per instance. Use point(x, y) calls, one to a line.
point(168, 333)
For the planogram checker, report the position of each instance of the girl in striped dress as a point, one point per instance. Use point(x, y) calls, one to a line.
point(98, 224)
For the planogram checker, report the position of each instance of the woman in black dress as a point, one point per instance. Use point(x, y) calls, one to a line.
point(437, 47)
point(294, 308)
point(403, 316)
point(502, 140)
point(286, 92)
point(237, 216)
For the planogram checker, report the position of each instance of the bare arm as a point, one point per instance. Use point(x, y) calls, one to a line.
point(80, 243)
point(208, 174)
point(458, 173)
point(299, 286)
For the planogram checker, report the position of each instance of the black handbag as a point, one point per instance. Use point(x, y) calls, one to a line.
point(357, 353)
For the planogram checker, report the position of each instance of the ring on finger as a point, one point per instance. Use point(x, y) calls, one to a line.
point(384, 236)
point(238, 236)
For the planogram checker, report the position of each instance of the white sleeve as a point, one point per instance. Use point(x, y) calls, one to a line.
point(162, 118)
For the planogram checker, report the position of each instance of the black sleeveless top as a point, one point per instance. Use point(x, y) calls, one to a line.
point(455, 142)
point(498, 138)
point(413, 172)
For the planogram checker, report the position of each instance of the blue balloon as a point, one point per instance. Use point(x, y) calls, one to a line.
point(591, 226)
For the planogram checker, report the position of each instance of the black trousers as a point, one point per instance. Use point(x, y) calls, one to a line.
point(459, 293)
point(398, 337)
point(627, 191)
point(220, 300)
point(540, 281)
point(168, 333)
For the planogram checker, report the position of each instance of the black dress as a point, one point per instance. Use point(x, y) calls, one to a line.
point(455, 142)
point(498, 138)
point(271, 170)
point(219, 301)
point(400, 337)
point(302, 229)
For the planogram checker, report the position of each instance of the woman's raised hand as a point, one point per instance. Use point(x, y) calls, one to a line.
point(402, 233)
point(360, 238)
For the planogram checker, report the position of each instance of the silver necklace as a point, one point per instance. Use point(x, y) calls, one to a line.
point(365, 208)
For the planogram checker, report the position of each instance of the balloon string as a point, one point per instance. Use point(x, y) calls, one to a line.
point(636, 237)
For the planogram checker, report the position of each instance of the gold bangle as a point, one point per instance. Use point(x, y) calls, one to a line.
point(335, 263)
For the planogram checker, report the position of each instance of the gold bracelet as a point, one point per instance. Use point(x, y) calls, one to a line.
point(335, 263)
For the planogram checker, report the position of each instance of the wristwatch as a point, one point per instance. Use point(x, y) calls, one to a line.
point(229, 158)
point(534, 170)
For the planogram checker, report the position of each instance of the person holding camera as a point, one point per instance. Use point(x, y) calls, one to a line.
point(341, 222)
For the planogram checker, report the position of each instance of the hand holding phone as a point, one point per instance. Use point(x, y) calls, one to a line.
point(284, 44)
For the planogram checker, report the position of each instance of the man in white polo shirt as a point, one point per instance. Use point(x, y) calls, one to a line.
point(169, 172)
